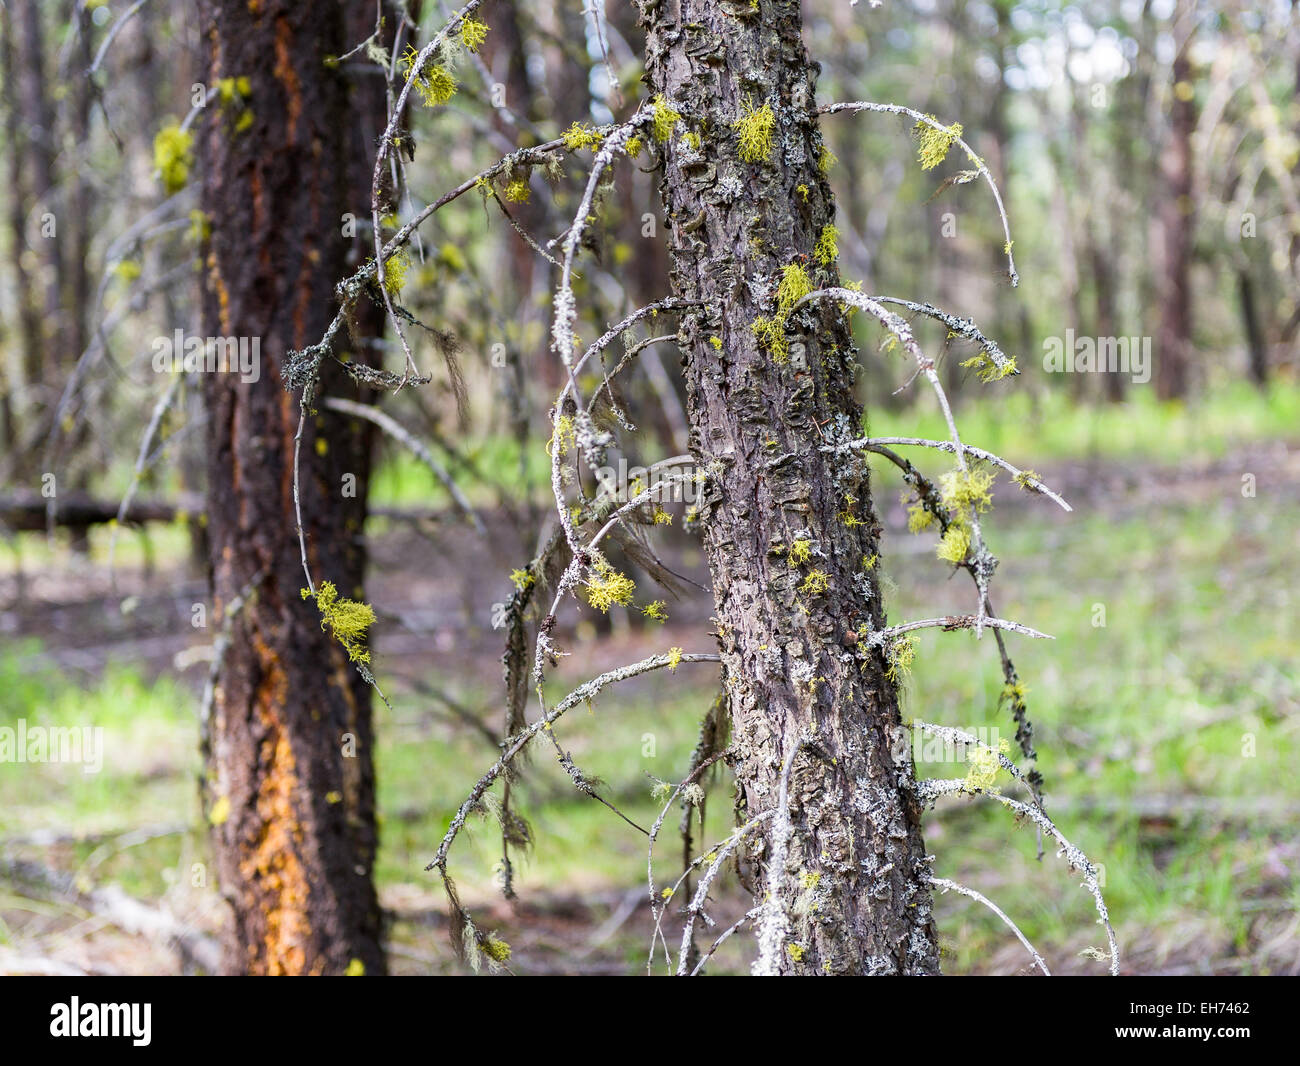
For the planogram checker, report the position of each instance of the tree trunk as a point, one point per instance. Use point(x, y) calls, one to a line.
point(290, 740)
point(798, 687)
point(1255, 345)
point(1174, 339)
point(20, 201)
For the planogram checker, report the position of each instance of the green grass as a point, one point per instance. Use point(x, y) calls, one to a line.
point(1166, 736)
point(1028, 428)
point(149, 745)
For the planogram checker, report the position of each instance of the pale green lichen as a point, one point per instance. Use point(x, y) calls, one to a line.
point(770, 333)
point(933, 141)
point(827, 249)
point(173, 152)
point(347, 620)
point(663, 119)
point(954, 544)
point(794, 286)
point(985, 765)
point(967, 490)
point(434, 83)
point(607, 587)
point(988, 369)
point(473, 33)
point(754, 133)
point(899, 656)
point(581, 135)
point(815, 584)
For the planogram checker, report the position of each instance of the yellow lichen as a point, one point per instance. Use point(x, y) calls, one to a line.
point(794, 286)
point(899, 656)
point(827, 249)
point(754, 132)
point(563, 436)
point(985, 765)
point(815, 584)
point(965, 491)
point(607, 586)
point(347, 620)
point(579, 136)
point(987, 369)
point(663, 119)
point(173, 152)
point(771, 336)
point(933, 141)
point(954, 544)
point(473, 33)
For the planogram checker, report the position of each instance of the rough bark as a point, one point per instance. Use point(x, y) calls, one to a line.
point(290, 738)
point(798, 684)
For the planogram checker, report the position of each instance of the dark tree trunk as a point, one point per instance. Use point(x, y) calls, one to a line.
point(1255, 346)
point(797, 687)
point(20, 200)
point(290, 740)
point(1174, 338)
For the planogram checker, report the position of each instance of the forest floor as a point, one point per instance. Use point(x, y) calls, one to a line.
point(1166, 714)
